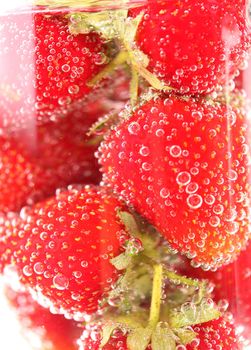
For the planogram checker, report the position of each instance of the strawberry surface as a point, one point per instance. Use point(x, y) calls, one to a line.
point(184, 164)
point(51, 67)
point(62, 248)
point(53, 332)
point(194, 45)
point(216, 334)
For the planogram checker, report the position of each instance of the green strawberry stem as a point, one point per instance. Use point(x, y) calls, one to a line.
point(117, 27)
point(156, 295)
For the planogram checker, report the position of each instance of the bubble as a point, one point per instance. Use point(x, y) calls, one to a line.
point(232, 175)
point(73, 89)
point(232, 227)
point(209, 199)
point(144, 151)
point(175, 151)
point(194, 171)
point(214, 221)
point(66, 68)
point(183, 178)
point(39, 268)
point(197, 115)
point(84, 264)
point(164, 192)
point(218, 209)
point(134, 128)
point(146, 166)
point(77, 274)
point(192, 187)
point(60, 282)
point(27, 270)
point(212, 133)
point(134, 246)
point(64, 101)
point(194, 201)
point(160, 132)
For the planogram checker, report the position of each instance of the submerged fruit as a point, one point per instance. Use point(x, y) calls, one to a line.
point(62, 248)
point(194, 45)
point(184, 164)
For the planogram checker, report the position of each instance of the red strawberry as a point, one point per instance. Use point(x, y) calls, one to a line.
point(216, 334)
point(51, 70)
point(184, 165)
point(53, 331)
point(63, 246)
point(194, 45)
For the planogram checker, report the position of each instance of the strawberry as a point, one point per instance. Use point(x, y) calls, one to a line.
point(193, 46)
point(53, 331)
point(62, 248)
point(52, 67)
point(184, 165)
point(215, 334)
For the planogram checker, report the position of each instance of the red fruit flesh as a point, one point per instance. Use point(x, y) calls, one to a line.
point(51, 70)
point(53, 331)
point(184, 166)
point(194, 45)
point(63, 246)
point(216, 334)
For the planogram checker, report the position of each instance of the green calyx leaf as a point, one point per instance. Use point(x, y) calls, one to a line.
point(185, 335)
point(163, 338)
point(133, 245)
point(191, 314)
point(122, 261)
point(123, 322)
point(109, 24)
point(107, 331)
point(129, 222)
point(139, 338)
